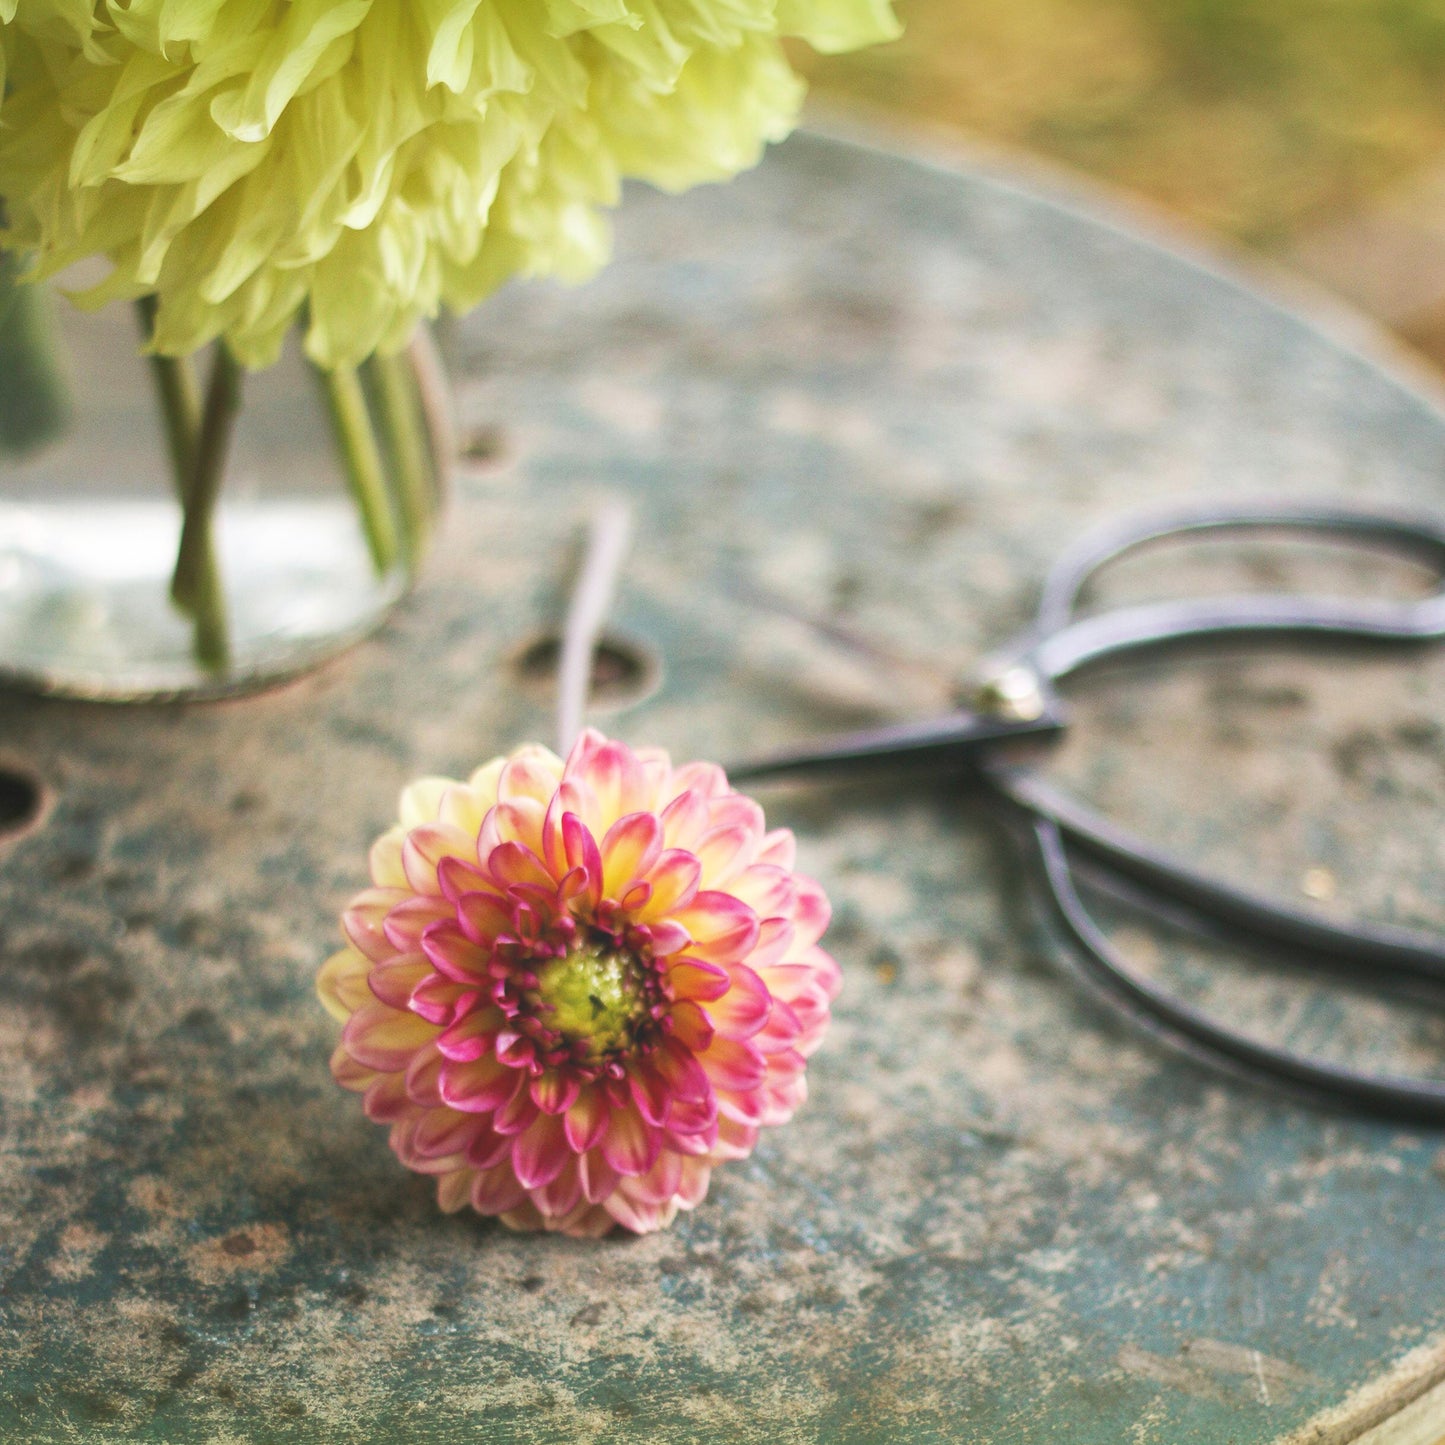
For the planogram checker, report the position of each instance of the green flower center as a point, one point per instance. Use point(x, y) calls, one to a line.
point(597, 996)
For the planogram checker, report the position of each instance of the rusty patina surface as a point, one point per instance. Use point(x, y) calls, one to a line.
point(880, 396)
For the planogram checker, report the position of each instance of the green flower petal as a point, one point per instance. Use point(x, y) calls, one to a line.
point(370, 161)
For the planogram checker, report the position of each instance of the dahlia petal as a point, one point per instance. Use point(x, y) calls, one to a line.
point(478, 1086)
point(630, 1143)
point(496, 1190)
point(638, 1216)
point(440, 1000)
point(421, 801)
point(365, 918)
point(666, 937)
point(423, 1077)
point(401, 1137)
point(560, 1198)
point(513, 863)
point(692, 1128)
point(483, 916)
point(693, 978)
point(410, 918)
point(385, 860)
point(811, 912)
point(518, 1112)
point(781, 1030)
point(451, 952)
point(456, 877)
point(454, 1190)
point(691, 1026)
point(440, 1133)
point(567, 799)
point(744, 1008)
point(747, 1106)
point(775, 939)
point(462, 808)
point(632, 845)
point(685, 820)
point(779, 849)
point(724, 929)
point(790, 981)
point(636, 897)
point(392, 982)
point(386, 1100)
point(341, 984)
point(539, 1152)
point(526, 1218)
point(724, 853)
point(767, 889)
point(587, 1222)
point(706, 779)
point(383, 1038)
point(487, 1147)
point(424, 849)
point(674, 878)
point(555, 1091)
point(483, 782)
point(469, 1038)
point(737, 810)
point(735, 1140)
point(692, 1186)
point(660, 1182)
point(348, 1073)
point(697, 1144)
point(581, 851)
point(685, 1077)
point(734, 1065)
point(514, 1049)
point(597, 1176)
point(586, 1120)
point(522, 821)
point(532, 772)
point(649, 1092)
point(613, 777)
point(783, 1097)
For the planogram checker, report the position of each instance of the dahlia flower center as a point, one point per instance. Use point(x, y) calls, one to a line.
point(596, 995)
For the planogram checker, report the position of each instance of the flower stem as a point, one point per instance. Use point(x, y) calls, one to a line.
point(365, 474)
point(195, 587)
point(394, 386)
point(607, 539)
point(180, 399)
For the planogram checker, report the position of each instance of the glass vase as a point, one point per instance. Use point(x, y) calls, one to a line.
point(327, 491)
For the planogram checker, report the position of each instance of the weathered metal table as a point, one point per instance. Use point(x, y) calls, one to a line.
point(852, 394)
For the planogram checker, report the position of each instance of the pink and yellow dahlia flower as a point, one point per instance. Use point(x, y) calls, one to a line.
point(576, 988)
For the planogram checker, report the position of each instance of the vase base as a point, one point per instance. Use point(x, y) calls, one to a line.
point(85, 609)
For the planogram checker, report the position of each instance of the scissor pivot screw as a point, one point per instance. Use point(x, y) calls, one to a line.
point(1014, 694)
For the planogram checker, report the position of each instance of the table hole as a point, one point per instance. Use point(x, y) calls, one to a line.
point(22, 800)
point(484, 449)
point(623, 672)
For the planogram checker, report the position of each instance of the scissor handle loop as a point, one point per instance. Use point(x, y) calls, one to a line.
point(1063, 643)
point(1105, 974)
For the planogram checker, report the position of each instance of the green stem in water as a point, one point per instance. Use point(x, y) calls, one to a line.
point(180, 399)
point(365, 474)
point(393, 384)
point(34, 399)
point(195, 588)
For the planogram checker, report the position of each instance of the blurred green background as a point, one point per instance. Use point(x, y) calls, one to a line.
point(1311, 130)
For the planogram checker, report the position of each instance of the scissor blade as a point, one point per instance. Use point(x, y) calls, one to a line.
point(957, 743)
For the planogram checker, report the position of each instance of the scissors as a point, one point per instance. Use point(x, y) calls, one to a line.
point(1019, 701)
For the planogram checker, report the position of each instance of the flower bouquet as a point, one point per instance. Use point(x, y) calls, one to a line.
point(240, 170)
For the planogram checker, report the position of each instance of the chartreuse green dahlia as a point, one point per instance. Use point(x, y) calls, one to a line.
point(368, 161)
